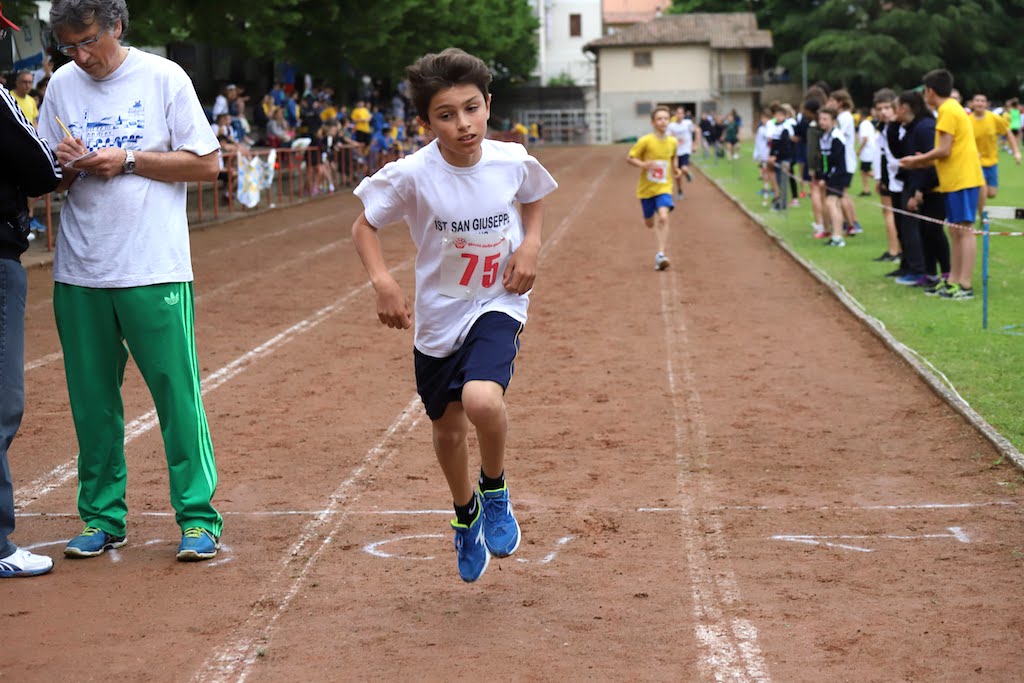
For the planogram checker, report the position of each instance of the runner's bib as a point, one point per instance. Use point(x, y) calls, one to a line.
point(659, 173)
point(472, 265)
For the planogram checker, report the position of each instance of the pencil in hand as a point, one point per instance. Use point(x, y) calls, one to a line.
point(63, 127)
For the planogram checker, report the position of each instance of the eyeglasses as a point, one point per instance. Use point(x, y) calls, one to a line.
point(71, 50)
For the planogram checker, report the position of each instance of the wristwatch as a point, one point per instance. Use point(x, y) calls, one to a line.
point(128, 166)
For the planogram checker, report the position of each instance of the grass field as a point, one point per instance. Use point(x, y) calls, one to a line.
point(982, 364)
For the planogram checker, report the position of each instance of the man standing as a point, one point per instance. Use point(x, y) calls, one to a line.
point(136, 134)
point(27, 167)
point(22, 86)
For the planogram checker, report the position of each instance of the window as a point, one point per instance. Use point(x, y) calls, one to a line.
point(642, 58)
point(575, 25)
point(644, 108)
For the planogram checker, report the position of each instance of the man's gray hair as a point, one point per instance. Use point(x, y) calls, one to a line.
point(81, 14)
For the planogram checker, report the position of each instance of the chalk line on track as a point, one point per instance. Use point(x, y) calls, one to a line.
point(236, 659)
point(731, 650)
point(142, 424)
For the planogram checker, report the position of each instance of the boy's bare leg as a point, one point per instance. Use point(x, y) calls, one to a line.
point(849, 212)
point(817, 204)
point(891, 236)
point(835, 214)
point(484, 405)
point(954, 255)
point(661, 228)
point(452, 450)
point(968, 252)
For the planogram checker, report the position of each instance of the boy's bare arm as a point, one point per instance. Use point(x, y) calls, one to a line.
point(633, 161)
point(521, 271)
point(392, 307)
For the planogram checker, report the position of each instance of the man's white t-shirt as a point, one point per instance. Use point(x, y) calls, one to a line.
point(866, 132)
point(126, 231)
point(444, 205)
point(682, 131)
point(846, 124)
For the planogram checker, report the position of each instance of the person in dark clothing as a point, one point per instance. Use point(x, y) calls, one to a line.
point(27, 169)
point(834, 171)
point(922, 198)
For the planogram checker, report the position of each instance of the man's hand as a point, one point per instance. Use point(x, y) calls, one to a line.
point(107, 163)
point(521, 270)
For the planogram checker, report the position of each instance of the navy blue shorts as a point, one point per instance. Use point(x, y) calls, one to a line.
point(488, 353)
point(684, 160)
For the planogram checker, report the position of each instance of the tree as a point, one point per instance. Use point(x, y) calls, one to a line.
point(867, 44)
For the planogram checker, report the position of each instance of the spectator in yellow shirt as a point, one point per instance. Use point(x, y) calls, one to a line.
point(988, 128)
point(25, 101)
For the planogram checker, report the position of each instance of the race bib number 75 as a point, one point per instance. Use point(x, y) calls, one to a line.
point(472, 265)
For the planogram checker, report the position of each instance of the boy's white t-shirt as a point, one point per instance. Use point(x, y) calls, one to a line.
point(441, 204)
point(682, 131)
point(848, 127)
point(126, 231)
point(867, 131)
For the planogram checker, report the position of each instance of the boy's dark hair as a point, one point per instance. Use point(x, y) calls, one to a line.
point(939, 80)
point(843, 98)
point(831, 111)
point(775, 108)
point(884, 96)
point(433, 73)
point(812, 105)
point(914, 100)
point(660, 107)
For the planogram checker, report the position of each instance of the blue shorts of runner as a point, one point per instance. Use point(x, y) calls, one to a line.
point(488, 353)
point(962, 205)
point(684, 160)
point(991, 174)
point(650, 205)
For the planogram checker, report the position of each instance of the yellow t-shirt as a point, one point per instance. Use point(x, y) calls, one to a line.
point(962, 168)
point(659, 180)
point(328, 113)
point(28, 107)
point(987, 130)
point(521, 129)
point(361, 117)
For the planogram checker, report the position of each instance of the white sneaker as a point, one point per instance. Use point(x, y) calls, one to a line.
point(30, 236)
point(24, 563)
point(661, 261)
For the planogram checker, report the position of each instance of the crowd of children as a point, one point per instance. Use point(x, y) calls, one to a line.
point(932, 161)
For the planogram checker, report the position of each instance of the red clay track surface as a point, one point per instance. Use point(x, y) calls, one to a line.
point(719, 473)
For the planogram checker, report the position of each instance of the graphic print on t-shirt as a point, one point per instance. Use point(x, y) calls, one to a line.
point(124, 130)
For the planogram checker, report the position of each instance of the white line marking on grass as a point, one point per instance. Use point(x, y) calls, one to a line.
point(236, 657)
point(142, 424)
point(730, 644)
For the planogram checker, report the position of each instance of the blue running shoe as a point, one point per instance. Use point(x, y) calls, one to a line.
point(501, 530)
point(197, 544)
point(470, 548)
point(37, 225)
point(92, 542)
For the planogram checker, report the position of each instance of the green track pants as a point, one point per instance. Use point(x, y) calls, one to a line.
point(156, 323)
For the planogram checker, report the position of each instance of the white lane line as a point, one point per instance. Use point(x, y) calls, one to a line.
point(797, 508)
point(955, 532)
point(261, 513)
point(730, 644)
point(234, 659)
point(140, 425)
point(374, 548)
point(547, 559)
point(53, 357)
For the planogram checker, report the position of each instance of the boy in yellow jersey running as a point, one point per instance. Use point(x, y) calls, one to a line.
point(959, 167)
point(655, 154)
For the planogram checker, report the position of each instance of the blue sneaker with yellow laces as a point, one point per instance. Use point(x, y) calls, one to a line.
point(470, 547)
point(501, 530)
point(92, 542)
point(197, 544)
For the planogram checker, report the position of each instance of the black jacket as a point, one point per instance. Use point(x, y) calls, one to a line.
point(27, 169)
point(920, 138)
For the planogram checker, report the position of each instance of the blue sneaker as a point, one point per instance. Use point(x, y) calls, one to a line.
point(37, 225)
point(470, 548)
point(197, 544)
point(92, 542)
point(911, 280)
point(501, 530)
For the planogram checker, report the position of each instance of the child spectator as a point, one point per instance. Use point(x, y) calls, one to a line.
point(886, 168)
point(474, 209)
point(841, 101)
point(811, 142)
point(834, 171)
point(956, 160)
point(781, 152)
point(918, 137)
point(731, 136)
point(988, 128)
point(320, 161)
point(761, 153)
point(866, 150)
point(655, 154)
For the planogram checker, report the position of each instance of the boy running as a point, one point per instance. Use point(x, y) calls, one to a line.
point(475, 266)
point(681, 128)
point(654, 154)
point(988, 128)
